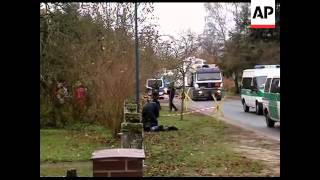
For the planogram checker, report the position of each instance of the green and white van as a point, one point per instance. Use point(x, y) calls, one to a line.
point(271, 99)
point(252, 86)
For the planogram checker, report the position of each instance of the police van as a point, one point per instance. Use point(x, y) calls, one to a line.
point(252, 86)
point(271, 99)
point(152, 84)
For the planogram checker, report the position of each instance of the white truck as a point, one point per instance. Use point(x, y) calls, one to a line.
point(205, 82)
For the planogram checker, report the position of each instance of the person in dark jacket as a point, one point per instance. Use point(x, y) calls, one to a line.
point(150, 113)
point(155, 98)
point(172, 92)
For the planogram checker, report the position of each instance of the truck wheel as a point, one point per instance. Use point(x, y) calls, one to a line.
point(245, 107)
point(259, 108)
point(270, 122)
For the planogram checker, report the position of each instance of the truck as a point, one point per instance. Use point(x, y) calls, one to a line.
point(205, 82)
point(192, 64)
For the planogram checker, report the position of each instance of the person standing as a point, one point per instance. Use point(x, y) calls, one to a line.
point(172, 92)
point(60, 100)
point(80, 96)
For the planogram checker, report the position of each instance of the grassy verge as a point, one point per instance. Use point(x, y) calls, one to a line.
point(74, 143)
point(84, 168)
point(198, 148)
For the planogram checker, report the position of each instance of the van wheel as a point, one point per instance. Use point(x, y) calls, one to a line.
point(259, 108)
point(245, 107)
point(270, 122)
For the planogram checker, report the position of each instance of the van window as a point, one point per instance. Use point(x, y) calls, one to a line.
point(246, 83)
point(255, 82)
point(259, 81)
point(154, 83)
point(267, 86)
point(275, 86)
point(209, 76)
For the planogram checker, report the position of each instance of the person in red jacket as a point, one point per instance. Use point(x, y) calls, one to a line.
point(80, 96)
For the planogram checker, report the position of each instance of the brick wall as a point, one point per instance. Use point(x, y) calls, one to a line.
point(118, 167)
point(107, 165)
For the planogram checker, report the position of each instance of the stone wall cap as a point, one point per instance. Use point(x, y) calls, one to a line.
point(120, 152)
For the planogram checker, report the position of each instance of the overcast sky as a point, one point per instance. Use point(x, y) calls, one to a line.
point(176, 17)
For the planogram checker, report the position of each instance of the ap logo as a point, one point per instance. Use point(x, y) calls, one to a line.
point(263, 14)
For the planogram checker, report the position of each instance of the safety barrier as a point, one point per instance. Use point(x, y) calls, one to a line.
point(190, 112)
point(218, 105)
point(218, 108)
point(187, 99)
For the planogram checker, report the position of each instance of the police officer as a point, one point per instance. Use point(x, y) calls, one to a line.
point(172, 92)
point(150, 113)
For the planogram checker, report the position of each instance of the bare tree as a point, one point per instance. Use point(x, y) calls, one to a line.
point(178, 50)
point(217, 26)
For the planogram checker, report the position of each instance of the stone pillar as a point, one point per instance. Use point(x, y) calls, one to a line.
point(131, 128)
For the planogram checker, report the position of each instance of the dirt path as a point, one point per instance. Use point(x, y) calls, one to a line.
point(255, 146)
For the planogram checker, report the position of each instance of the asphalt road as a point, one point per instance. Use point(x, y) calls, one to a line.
point(234, 114)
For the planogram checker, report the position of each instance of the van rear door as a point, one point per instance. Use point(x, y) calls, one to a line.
point(274, 99)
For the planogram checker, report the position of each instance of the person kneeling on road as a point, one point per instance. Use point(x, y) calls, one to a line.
point(150, 113)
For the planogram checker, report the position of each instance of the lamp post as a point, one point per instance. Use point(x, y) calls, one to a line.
point(137, 59)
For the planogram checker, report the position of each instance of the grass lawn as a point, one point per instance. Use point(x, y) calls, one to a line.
point(198, 148)
point(60, 145)
point(61, 149)
point(84, 168)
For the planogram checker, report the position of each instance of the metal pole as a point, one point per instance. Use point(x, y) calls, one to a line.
point(137, 58)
